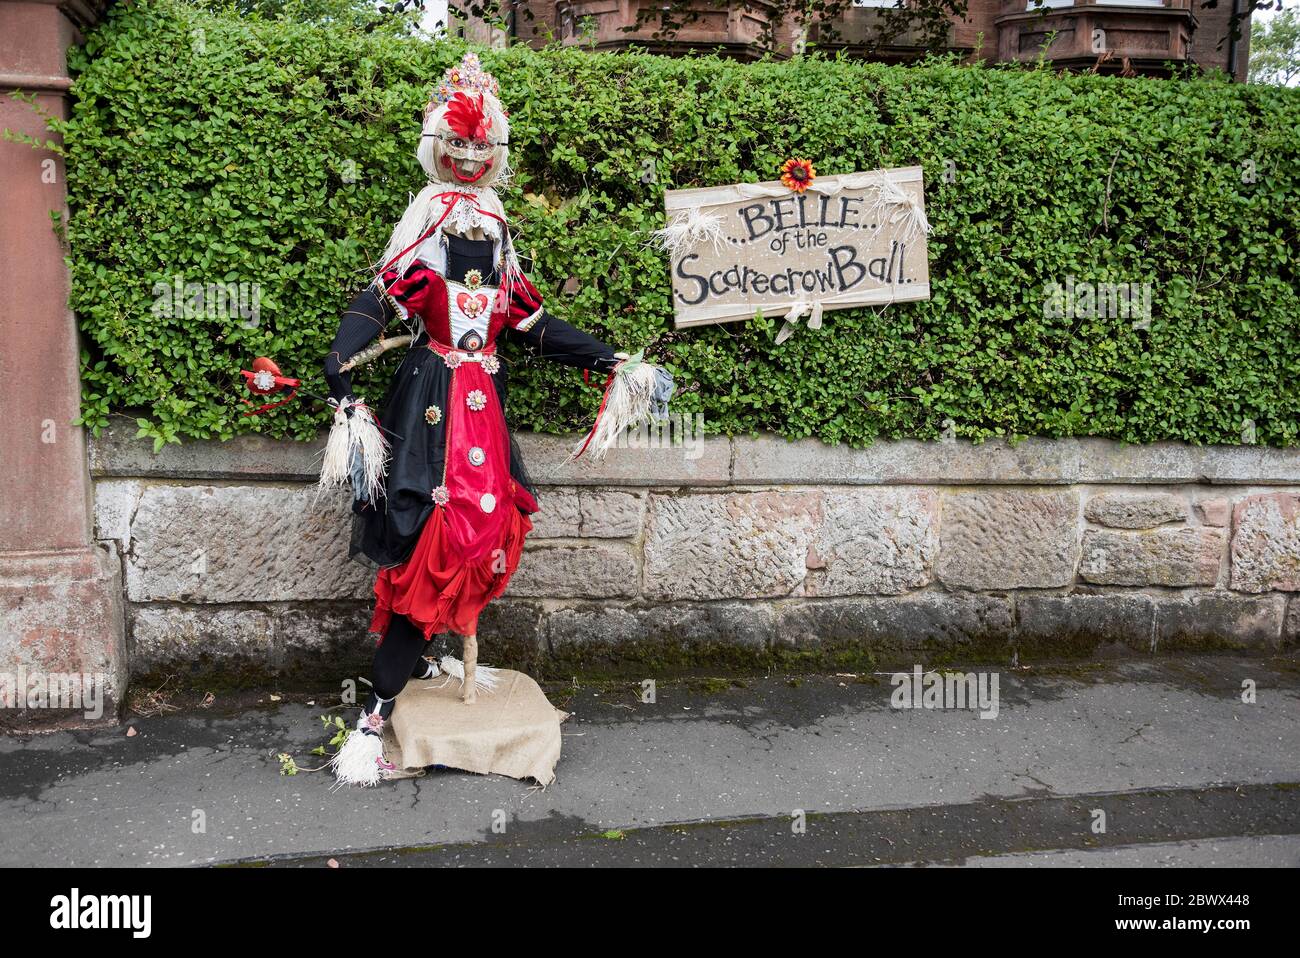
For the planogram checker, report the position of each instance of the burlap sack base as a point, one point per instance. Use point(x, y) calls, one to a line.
point(512, 731)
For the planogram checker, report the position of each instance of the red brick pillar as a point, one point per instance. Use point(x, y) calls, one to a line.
point(60, 595)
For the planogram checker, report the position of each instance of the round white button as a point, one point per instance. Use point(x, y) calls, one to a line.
point(488, 502)
point(477, 457)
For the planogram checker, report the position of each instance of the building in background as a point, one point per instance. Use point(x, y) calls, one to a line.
point(1130, 37)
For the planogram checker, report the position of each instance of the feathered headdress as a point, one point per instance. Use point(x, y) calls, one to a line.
point(466, 116)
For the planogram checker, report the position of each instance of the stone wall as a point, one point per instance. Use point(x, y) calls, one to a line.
point(752, 549)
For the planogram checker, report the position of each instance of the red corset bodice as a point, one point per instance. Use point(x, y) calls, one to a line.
point(449, 310)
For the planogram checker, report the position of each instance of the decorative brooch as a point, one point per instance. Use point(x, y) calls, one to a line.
point(798, 175)
point(473, 279)
point(265, 379)
point(441, 496)
point(491, 365)
point(433, 415)
point(453, 359)
point(476, 400)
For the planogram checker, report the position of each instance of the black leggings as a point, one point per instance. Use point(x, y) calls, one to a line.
point(398, 658)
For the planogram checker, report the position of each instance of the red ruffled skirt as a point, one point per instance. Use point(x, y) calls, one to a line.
point(472, 541)
point(437, 590)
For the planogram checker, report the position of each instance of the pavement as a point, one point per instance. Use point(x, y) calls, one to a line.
point(1114, 764)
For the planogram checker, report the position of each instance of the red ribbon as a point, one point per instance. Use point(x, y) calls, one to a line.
point(449, 199)
point(586, 378)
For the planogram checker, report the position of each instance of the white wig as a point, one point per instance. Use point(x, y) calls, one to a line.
point(423, 211)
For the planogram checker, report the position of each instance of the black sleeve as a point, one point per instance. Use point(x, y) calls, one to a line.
point(554, 339)
point(367, 316)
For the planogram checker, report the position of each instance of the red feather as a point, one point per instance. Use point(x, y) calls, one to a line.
point(466, 118)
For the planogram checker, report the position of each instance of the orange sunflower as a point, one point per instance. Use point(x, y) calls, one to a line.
point(798, 175)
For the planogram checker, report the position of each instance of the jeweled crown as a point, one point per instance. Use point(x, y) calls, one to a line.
point(468, 76)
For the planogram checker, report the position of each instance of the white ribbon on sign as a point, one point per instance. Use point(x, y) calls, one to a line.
point(888, 193)
point(688, 229)
point(906, 207)
point(814, 311)
point(830, 185)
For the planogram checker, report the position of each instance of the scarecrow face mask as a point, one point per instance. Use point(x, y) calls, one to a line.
point(464, 141)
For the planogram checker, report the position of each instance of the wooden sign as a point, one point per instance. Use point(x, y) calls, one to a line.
point(852, 240)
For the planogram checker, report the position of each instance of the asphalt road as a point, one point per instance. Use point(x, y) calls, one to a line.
point(759, 771)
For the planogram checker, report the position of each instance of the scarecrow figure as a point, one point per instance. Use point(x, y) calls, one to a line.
point(441, 496)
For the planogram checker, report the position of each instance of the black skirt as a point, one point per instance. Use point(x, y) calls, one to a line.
point(385, 532)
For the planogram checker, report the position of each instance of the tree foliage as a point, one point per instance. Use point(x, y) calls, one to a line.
point(1275, 49)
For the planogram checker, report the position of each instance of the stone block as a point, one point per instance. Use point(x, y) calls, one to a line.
point(1266, 543)
point(1008, 539)
point(1170, 557)
point(588, 513)
point(1216, 511)
point(61, 615)
point(734, 545)
point(1066, 626)
point(115, 504)
point(598, 571)
point(222, 544)
point(962, 623)
point(1141, 511)
point(1220, 622)
point(873, 542)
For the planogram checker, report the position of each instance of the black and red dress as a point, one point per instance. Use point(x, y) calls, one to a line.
point(448, 530)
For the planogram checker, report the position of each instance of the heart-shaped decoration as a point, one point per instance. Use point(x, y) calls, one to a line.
point(471, 305)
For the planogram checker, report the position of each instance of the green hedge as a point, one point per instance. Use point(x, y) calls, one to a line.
point(229, 150)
